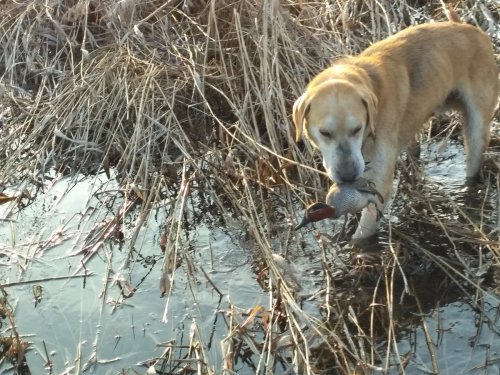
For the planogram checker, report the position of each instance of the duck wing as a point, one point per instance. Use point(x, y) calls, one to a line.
point(366, 186)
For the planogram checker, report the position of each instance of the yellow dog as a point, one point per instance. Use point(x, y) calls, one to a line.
point(369, 107)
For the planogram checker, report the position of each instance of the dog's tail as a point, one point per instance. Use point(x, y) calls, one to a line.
point(451, 13)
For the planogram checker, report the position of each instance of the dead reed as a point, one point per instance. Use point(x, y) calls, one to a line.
point(197, 95)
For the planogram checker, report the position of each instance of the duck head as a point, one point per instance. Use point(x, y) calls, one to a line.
point(316, 212)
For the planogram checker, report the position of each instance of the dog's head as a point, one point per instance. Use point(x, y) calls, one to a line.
point(336, 116)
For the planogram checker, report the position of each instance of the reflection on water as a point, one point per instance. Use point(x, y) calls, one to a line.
point(87, 322)
point(456, 338)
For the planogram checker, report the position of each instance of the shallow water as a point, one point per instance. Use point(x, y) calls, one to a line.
point(462, 340)
point(464, 333)
point(79, 317)
point(86, 323)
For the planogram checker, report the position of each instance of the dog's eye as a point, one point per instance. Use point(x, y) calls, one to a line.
point(356, 131)
point(326, 133)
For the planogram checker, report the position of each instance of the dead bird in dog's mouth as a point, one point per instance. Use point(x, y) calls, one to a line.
point(344, 199)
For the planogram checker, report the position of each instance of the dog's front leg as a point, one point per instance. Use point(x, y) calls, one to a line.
point(368, 225)
point(381, 173)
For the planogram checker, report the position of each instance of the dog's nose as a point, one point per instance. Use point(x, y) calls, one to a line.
point(348, 179)
point(348, 176)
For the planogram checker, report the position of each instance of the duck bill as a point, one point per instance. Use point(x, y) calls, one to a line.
point(302, 224)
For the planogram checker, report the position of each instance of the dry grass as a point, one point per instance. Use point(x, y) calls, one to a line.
point(198, 94)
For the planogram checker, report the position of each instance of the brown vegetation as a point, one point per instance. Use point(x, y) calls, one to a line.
point(199, 93)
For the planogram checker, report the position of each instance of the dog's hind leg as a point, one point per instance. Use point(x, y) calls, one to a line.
point(476, 138)
point(477, 107)
point(476, 97)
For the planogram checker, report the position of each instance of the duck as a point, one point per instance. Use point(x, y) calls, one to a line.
point(343, 199)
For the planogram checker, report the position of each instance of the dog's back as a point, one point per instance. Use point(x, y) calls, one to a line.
point(444, 65)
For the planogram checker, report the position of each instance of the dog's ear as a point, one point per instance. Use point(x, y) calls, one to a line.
point(300, 110)
point(370, 101)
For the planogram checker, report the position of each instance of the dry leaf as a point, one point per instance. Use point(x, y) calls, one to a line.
point(165, 284)
point(4, 198)
point(252, 316)
point(125, 287)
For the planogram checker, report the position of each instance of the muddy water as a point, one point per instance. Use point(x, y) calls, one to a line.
point(83, 322)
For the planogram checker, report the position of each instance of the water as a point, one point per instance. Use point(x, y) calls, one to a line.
point(86, 323)
point(464, 332)
point(461, 339)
